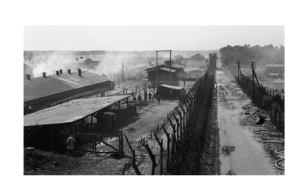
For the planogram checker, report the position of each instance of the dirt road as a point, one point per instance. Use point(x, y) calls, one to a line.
point(240, 153)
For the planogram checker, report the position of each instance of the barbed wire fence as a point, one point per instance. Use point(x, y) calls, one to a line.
point(261, 96)
point(170, 143)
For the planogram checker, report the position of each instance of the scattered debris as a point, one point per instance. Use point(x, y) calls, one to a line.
point(131, 129)
point(252, 120)
point(230, 172)
point(227, 150)
point(247, 107)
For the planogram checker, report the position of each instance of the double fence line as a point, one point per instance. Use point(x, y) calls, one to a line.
point(261, 96)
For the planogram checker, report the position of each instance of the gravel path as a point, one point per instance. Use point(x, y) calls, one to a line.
point(240, 153)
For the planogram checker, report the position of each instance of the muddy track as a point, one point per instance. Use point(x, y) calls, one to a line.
point(241, 153)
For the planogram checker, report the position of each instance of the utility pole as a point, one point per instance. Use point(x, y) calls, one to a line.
point(238, 72)
point(156, 69)
point(170, 67)
point(123, 72)
point(253, 87)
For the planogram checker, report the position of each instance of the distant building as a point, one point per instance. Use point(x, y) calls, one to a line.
point(274, 70)
point(166, 74)
point(89, 64)
point(169, 91)
point(178, 62)
point(46, 91)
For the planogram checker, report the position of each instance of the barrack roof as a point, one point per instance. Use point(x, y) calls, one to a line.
point(42, 87)
point(171, 86)
point(168, 70)
point(70, 111)
point(174, 67)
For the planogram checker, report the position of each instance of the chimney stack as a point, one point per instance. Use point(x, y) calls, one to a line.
point(69, 71)
point(57, 73)
point(79, 72)
point(44, 74)
point(28, 76)
point(60, 71)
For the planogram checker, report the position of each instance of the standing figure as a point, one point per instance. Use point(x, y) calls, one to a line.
point(150, 96)
point(158, 98)
point(71, 144)
point(140, 98)
point(133, 97)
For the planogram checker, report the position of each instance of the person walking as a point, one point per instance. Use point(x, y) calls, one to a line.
point(150, 96)
point(71, 144)
point(133, 97)
point(158, 99)
point(140, 98)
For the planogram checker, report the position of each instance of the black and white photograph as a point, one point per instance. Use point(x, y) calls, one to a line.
point(150, 109)
point(150, 97)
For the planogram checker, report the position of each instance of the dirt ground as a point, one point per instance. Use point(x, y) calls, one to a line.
point(48, 163)
point(240, 151)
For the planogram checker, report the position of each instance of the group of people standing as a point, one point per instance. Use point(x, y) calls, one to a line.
point(150, 97)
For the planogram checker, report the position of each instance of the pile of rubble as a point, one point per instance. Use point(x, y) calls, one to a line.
point(254, 115)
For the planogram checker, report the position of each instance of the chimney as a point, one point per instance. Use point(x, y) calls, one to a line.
point(69, 71)
point(79, 72)
point(28, 76)
point(57, 73)
point(60, 71)
point(44, 74)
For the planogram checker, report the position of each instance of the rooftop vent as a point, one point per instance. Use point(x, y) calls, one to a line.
point(69, 71)
point(60, 71)
point(57, 73)
point(44, 74)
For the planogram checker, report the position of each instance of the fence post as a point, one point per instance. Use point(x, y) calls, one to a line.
point(133, 162)
point(173, 143)
point(187, 116)
point(238, 72)
point(275, 117)
point(198, 168)
point(177, 129)
point(168, 147)
point(180, 116)
point(184, 118)
point(161, 156)
point(152, 156)
point(160, 143)
point(279, 121)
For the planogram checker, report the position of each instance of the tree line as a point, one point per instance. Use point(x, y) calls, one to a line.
point(261, 55)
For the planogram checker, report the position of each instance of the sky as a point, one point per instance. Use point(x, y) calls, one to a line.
point(141, 38)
